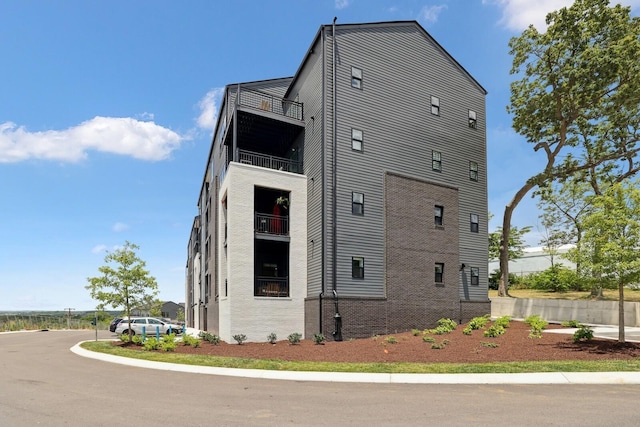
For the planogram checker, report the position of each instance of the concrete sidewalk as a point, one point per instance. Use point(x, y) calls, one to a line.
point(600, 331)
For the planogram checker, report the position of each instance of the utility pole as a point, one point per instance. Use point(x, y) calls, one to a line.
point(69, 317)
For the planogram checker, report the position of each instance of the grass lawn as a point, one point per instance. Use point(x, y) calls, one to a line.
point(630, 295)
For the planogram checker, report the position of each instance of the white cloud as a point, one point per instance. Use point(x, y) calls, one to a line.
point(119, 227)
point(341, 4)
point(519, 14)
point(98, 249)
point(209, 108)
point(430, 13)
point(145, 116)
point(118, 135)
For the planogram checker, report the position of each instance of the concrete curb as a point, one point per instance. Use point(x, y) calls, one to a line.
point(381, 378)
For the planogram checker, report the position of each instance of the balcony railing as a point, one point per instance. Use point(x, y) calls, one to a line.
point(272, 224)
point(270, 162)
point(271, 286)
point(273, 104)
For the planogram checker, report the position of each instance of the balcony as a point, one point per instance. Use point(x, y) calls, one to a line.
point(271, 224)
point(269, 162)
point(271, 286)
point(269, 103)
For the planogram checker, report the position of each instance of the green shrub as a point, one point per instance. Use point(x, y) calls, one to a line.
point(478, 322)
point(136, 339)
point(439, 346)
point(191, 341)
point(240, 338)
point(168, 342)
point(416, 332)
point(124, 337)
point(447, 323)
point(570, 324)
point(428, 339)
point(489, 344)
point(584, 332)
point(467, 330)
point(294, 338)
point(537, 324)
point(211, 338)
point(503, 321)
point(391, 340)
point(494, 331)
point(557, 278)
point(272, 338)
point(151, 344)
point(319, 339)
point(494, 280)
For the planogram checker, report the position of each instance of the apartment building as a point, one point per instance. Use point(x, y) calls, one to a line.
point(349, 199)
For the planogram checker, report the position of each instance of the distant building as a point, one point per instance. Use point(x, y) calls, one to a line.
point(171, 309)
point(534, 260)
point(349, 199)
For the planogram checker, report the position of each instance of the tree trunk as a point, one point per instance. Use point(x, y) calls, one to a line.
point(621, 313)
point(503, 286)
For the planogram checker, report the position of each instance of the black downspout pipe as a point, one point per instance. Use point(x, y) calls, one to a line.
point(337, 319)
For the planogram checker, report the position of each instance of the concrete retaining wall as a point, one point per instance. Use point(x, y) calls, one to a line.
point(590, 312)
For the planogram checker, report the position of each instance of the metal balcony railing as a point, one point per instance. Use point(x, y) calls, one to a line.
point(272, 224)
point(273, 104)
point(271, 286)
point(270, 162)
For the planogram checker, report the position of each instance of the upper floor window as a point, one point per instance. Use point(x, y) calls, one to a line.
point(357, 267)
point(356, 77)
point(356, 139)
point(439, 272)
point(439, 214)
point(475, 223)
point(435, 105)
point(357, 203)
point(473, 120)
point(473, 171)
point(475, 276)
point(436, 161)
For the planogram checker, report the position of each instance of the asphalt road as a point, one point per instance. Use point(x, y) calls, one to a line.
point(43, 383)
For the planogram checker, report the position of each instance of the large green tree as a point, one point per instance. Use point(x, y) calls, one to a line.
point(577, 99)
point(609, 249)
point(124, 282)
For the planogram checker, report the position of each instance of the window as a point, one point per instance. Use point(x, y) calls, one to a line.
point(475, 276)
point(439, 212)
point(436, 161)
point(356, 77)
point(473, 120)
point(357, 203)
point(357, 267)
point(473, 171)
point(474, 223)
point(356, 139)
point(435, 105)
point(439, 272)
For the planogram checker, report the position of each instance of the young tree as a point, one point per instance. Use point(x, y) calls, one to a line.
point(578, 101)
point(612, 239)
point(124, 282)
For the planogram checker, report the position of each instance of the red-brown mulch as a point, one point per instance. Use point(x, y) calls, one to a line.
point(515, 345)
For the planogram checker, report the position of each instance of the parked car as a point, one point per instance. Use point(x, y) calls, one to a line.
point(151, 324)
point(114, 323)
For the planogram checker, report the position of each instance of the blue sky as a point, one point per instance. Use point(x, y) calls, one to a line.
point(107, 110)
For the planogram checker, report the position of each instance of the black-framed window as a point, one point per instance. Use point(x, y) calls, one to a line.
point(439, 272)
point(473, 120)
point(356, 139)
point(436, 161)
point(356, 77)
point(475, 276)
point(357, 203)
point(475, 222)
point(473, 171)
point(435, 105)
point(438, 215)
point(357, 267)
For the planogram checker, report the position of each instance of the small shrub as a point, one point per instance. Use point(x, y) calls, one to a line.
point(294, 338)
point(124, 337)
point(136, 339)
point(494, 331)
point(211, 338)
point(151, 344)
point(439, 346)
point(537, 324)
point(240, 338)
point(489, 344)
point(272, 338)
point(391, 340)
point(570, 324)
point(319, 339)
point(503, 321)
point(190, 341)
point(416, 332)
point(584, 332)
point(168, 342)
point(478, 322)
point(448, 324)
point(467, 330)
point(375, 337)
point(428, 339)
